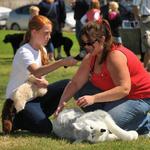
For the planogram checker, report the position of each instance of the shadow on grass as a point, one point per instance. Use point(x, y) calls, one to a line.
point(5, 60)
point(24, 134)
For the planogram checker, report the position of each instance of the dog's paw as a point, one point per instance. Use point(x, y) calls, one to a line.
point(42, 91)
point(7, 126)
point(133, 135)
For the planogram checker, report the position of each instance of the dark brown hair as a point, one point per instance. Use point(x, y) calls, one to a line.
point(37, 22)
point(94, 30)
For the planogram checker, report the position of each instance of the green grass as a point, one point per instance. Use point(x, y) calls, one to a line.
point(27, 141)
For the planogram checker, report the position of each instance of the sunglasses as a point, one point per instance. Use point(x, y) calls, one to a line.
point(88, 43)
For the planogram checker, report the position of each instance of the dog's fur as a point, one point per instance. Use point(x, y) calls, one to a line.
point(96, 126)
point(26, 92)
point(59, 40)
point(146, 41)
point(15, 40)
point(67, 44)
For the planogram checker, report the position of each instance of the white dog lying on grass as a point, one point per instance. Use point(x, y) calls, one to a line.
point(26, 92)
point(96, 126)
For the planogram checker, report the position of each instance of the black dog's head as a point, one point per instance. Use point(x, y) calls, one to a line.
point(7, 38)
point(14, 39)
point(17, 38)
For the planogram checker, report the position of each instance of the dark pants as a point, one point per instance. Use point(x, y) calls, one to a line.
point(34, 117)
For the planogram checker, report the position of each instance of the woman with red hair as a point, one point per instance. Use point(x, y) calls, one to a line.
point(31, 58)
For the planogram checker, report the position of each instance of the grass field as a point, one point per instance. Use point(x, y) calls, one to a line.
point(28, 141)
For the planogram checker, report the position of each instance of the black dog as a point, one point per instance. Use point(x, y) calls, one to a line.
point(59, 40)
point(15, 40)
point(67, 44)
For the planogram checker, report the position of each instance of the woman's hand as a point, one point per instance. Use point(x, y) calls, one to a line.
point(85, 101)
point(69, 61)
point(59, 109)
point(41, 83)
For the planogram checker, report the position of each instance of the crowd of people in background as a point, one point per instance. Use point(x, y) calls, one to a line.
point(84, 11)
point(141, 10)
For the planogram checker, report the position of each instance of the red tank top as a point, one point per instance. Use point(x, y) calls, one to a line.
point(140, 78)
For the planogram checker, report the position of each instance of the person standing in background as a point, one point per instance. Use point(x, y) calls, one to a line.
point(44, 10)
point(34, 11)
point(93, 14)
point(80, 7)
point(115, 20)
point(55, 11)
point(141, 10)
point(61, 17)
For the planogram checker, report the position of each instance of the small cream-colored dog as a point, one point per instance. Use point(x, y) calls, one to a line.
point(26, 92)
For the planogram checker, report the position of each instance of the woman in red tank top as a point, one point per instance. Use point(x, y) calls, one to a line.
point(110, 78)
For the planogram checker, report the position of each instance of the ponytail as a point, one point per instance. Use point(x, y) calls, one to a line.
point(44, 56)
point(106, 27)
point(108, 39)
point(27, 36)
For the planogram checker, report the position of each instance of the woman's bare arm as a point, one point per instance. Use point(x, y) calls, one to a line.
point(43, 70)
point(79, 79)
point(119, 72)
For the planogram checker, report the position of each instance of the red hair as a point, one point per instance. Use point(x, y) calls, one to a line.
point(37, 23)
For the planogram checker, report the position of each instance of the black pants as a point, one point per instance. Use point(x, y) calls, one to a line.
point(34, 117)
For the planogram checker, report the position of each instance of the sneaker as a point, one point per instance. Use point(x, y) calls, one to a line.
point(8, 113)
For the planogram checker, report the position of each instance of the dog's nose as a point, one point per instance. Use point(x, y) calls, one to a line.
point(102, 130)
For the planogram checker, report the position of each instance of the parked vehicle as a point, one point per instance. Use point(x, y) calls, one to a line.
point(4, 13)
point(18, 18)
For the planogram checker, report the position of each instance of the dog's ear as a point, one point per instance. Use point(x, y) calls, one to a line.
point(78, 126)
point(88, 122)
point(6, 39)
